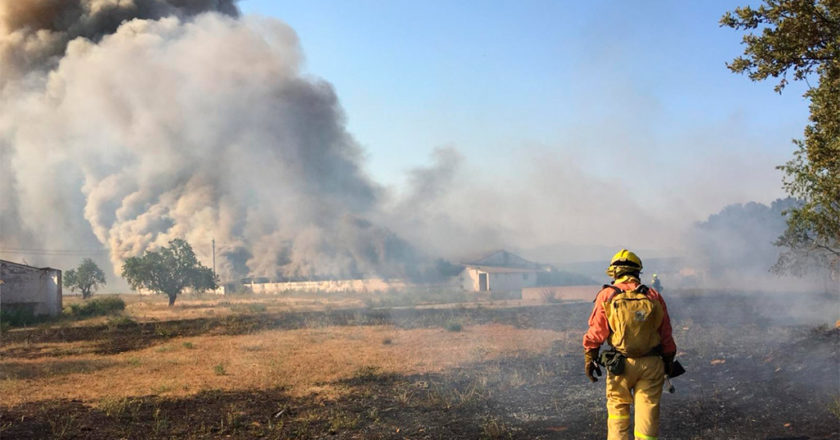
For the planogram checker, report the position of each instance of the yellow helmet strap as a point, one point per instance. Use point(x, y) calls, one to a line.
point(627, 278)
point(617, 272)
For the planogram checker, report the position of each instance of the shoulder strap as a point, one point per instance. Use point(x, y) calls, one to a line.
point(644, 290)
point(616, 291)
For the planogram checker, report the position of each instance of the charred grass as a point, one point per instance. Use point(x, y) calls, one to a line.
point(117, 336)
point(509, 373)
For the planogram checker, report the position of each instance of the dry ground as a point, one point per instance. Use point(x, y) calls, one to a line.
point(307, 367)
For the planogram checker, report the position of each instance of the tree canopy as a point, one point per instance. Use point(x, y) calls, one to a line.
point(801, 38)
point(168, 270)
point(86, 278)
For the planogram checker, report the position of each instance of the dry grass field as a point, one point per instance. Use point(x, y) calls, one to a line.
point(344, 366)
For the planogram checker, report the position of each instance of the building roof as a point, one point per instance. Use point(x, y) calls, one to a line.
point(26, 265)
point(504, 259)
point(497, 269)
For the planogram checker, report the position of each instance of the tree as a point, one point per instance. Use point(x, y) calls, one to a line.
point(168, 270)
point(86, 278)
point(802, 38)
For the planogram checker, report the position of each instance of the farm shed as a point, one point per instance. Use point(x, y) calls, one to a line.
point(501, 271)
point(37, 290)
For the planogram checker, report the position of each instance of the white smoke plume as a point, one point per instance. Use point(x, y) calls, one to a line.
point(186, 126)
point(544, 200)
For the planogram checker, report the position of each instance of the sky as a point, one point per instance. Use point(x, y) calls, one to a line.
point(313, 135)
point(620, 88)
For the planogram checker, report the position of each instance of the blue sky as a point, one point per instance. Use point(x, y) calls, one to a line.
point(616, 87)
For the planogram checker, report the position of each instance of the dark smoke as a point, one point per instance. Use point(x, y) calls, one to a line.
point(34, 33)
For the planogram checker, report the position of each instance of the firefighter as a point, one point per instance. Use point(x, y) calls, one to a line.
point(634, 320)
point(655, 283)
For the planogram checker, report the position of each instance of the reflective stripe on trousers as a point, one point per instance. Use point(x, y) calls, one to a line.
point(640, 385)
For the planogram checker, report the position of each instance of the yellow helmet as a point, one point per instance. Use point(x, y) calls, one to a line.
point(624, 262)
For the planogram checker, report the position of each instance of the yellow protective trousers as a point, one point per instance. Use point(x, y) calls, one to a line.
point(641, 385)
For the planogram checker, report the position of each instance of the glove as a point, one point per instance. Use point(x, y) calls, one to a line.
point(668, 360)
point(591, 366)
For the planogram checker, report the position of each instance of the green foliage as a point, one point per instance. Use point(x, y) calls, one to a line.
point(802, 38)
point(247, 307)
point(367, 373)
point(168, 270)
point(343, 422)
point(24, 316)
point(454, 326)
point(120, 322)
point(117, 407)
point(95, 307)
point(834, 407)
point(18, 317)
point(495, 428)
point(86, 278)
point(798, 36)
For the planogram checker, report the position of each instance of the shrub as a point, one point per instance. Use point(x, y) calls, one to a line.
point(248, 308)
point(494, 428)
point(116, 407)
point(120, 322)
point(19, 317)
point(96, 307)
point(343, 422)
point(834, 407)
point(454, 326)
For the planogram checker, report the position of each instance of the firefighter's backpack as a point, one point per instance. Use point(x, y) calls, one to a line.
point(634, 319)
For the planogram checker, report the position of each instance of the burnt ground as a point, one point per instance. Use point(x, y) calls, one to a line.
point(753, 373)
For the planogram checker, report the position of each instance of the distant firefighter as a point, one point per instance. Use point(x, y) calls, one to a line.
point(634, 320)
point(654, 282)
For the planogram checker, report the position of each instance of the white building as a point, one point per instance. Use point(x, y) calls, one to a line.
point(37, 290)
point(501, 271)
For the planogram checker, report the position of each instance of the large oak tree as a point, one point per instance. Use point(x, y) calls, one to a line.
point(800, 40)
point(86, 278)
point(168, 270)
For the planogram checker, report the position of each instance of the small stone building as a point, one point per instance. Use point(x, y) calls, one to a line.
point(501, 271)
point(37, 290)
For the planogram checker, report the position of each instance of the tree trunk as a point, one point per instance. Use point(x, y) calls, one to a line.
point(172, 299)
point(85, 293)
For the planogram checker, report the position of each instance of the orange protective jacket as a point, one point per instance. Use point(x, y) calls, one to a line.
point(599, 328)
